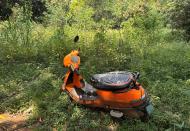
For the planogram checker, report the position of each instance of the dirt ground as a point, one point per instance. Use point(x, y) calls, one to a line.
point(13, 122)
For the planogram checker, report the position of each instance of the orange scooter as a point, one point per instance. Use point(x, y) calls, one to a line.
point(118, 91)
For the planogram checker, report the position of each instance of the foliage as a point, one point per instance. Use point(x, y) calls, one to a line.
point(38, 8)
point(179, 16)
point(114, 35)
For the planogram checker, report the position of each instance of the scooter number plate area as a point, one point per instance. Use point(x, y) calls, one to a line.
point(149, 109)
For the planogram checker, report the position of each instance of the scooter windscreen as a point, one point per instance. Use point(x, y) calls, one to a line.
point(112, 80)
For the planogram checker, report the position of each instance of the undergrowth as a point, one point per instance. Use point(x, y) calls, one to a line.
point(31, 68)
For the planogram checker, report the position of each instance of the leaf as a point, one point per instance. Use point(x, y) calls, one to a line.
point(186, 92)
point(180, 126)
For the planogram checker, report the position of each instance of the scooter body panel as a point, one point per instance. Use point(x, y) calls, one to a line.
point(106, 99)
point(132, 102)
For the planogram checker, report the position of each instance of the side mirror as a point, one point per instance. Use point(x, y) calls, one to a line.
point(76, 39)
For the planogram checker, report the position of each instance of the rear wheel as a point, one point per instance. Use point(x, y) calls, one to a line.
point(148, 109)
point(145, 117)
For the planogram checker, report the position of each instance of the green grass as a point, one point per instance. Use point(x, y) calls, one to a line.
point(164, 75)
point(31, 70)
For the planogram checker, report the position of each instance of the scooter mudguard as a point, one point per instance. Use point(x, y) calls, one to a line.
point(149, 109)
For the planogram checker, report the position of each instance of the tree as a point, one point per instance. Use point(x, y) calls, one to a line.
point(180, 16)
point(38, 8)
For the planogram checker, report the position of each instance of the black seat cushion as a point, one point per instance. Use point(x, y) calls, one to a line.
point(112, 81)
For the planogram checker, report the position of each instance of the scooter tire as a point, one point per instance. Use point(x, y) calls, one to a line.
point(145, 117)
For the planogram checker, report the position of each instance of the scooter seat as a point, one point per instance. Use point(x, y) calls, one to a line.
point(112, 81)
